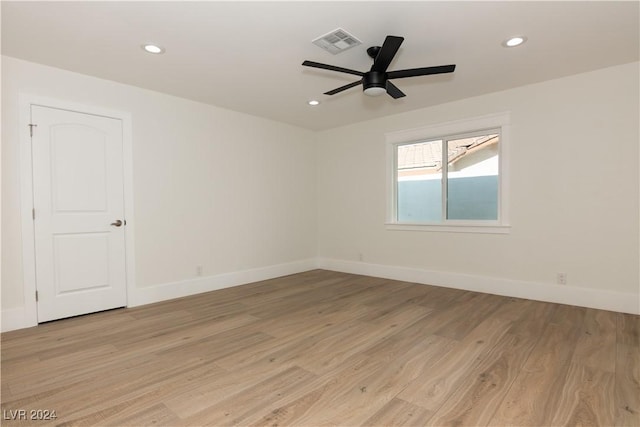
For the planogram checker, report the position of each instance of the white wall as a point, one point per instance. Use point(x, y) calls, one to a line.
point(212, 187)
point(573, 199)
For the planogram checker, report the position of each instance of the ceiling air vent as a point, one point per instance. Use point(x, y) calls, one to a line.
point(337, 41)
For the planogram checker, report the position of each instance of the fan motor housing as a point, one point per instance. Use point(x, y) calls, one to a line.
point(374, 79)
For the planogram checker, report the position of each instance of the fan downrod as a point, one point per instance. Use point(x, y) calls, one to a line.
point(373, 51)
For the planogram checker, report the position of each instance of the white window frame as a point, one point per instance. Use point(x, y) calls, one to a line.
point(451, 130)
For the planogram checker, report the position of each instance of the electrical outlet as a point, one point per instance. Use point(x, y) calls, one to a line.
point(198, 270)
point(360, 257)
point(561, 278)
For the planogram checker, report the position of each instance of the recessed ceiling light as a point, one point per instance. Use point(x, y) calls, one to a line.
point(514, 41)
point(313, 102)
point(152, 48)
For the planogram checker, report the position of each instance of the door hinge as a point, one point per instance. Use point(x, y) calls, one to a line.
point(36, 296)
point(31, 126)
point(33, 213)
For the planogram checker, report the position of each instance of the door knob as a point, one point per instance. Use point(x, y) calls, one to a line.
point(118, 223)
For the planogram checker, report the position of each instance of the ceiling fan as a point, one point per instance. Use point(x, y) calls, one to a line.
point(376, 81)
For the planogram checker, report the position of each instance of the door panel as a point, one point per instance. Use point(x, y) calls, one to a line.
point(78, 194)
point(79, 175)
point(81, 262)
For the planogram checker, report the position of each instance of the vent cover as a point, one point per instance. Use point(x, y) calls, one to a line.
point(336, 41)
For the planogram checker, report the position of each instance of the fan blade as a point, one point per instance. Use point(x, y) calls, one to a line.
point(332, 68)
point(394, 91)
point(345, 87)
point(414, 72)
point(386, 54)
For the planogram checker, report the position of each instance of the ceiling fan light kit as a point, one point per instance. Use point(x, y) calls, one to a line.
point(374, 91)
point(375, 82)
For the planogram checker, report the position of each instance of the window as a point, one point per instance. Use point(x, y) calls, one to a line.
point(450, 177)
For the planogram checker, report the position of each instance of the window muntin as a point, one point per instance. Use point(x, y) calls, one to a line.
point(448, 179)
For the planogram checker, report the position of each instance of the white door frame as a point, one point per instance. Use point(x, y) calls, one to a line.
point(26, 194)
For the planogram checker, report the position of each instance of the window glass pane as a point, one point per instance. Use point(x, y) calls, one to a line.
point(419, 178)
point(472, 178)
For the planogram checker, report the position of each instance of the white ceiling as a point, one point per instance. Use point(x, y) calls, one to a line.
point(246, 56)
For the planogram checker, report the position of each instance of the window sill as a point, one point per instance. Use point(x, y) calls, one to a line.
point(451, 228)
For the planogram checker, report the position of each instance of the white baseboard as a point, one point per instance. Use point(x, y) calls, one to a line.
point(561, 294)
point(151, 294)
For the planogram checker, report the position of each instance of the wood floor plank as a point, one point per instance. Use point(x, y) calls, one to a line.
point(325, 351)
point(203, 394)
point(627, 372)
point(432, 388)
point(219, 345)
point(59, 370)
point(317, 402)
point(235, 408)
point(596, 346)
point(385, 383)
point(329, 348)
point(532, 396)
point(586, 398)
point(325, 291)
point(350, 395)
point(460, 326)
point(107, 398)
point(399, 413)
point(52, 335)
point(628, 329)
point(476, 399)
point(437, 297)
point(627, 385)
point(156, 415)
point(403, 292)
point(304, 322)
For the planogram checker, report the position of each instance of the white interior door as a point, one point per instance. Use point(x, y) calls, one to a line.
point(79, 219)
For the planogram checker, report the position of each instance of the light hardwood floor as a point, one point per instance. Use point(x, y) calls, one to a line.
point(324, 348)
